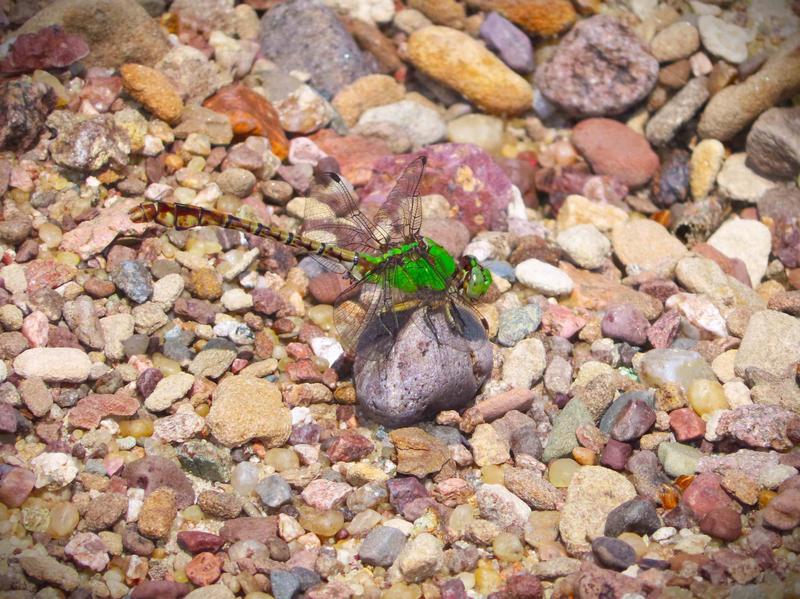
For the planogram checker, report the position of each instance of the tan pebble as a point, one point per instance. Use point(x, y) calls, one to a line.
point(157, 513)
point(154, 90)
point(733, 108)
point(462, 63)
point(542, 17)
point(364, 93)
point(707, 159)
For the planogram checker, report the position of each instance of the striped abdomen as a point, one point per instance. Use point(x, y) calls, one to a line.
point(183, 216)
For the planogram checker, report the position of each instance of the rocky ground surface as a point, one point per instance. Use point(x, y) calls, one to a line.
point(176, 415)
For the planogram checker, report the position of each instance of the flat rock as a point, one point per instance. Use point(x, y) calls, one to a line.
point(643, 245)
point(771, 343)
point(748, 240)
point(54, 364)
point(704, 276)
point(737, 181)
point(592, 494)
point(246, 408)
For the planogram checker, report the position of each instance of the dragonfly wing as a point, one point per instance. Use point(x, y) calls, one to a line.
point(332, 215)
point(401, 213)
point(362, 323)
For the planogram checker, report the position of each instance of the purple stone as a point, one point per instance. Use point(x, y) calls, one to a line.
point(403, 491)
point(625, 323)
point(634, 421)
point(453, 589)
point(615, 455)
point(511, 43)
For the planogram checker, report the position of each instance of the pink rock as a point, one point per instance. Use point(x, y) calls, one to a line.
point(36, 329)
point(723, 523)
point(759, 425)
point(160, 589)
point(403, 491)
point(113, 464)
point(101, 92)
point(47, 273)
point(325, 494)
point(355, 154)
point(15, 486)
point(93, 236)
point(153, 472)
point(197, 541)
point(663, 331)
point(94, 407)
point(705, 494)
point(88, 551)
point(349, 446)
point(8, 418)
point(613, 148)
point(50, 47)
point(465, 174)
point(686, 425)
point(560, 321)
point(242, 529)
point(303, 371)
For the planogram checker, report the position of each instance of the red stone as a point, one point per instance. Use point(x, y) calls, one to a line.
point(705, 494)
point(204, 569)
point(723, 523)
point(197, 541)
point(613, 148)
point(686, 425)
point(663, 331)
point(524, 586)
point(355, 154)
point(50, 47)
point(47, 273)
point(303, 371)
point(350, 447)
point(730, 266)
point(94, 407)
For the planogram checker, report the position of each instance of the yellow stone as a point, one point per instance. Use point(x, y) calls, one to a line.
point(464, 64)
point(561, 471)
point(365, 93)
point(153, 90)
point(707, 159)
point(706, 396)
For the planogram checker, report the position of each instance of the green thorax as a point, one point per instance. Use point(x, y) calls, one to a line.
point(413, 268)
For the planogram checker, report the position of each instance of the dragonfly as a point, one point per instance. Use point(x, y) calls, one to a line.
point(396, 276)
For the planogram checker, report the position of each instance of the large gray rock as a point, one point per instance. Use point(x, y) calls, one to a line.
point(306, 35)
point(382, 546)
point(773, 144)
point(416, 376)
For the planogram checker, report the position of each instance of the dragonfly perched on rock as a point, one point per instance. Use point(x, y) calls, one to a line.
point(397, 277)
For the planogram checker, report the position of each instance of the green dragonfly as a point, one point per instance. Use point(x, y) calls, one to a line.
point(397, 277)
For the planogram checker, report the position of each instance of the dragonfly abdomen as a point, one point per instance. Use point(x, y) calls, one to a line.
point(184, 216)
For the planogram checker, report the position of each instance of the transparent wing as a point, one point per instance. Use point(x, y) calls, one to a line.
point(332, 215)
point(401, 214)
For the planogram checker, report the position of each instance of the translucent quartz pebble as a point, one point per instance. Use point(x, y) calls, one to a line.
point(706, 397)
point(244, 478)
point(674, 366)
point(508, 547)
point(561, 471)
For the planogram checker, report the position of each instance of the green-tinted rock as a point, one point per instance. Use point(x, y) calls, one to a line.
point(205, 460)
point(562, 438)
point(678, 459)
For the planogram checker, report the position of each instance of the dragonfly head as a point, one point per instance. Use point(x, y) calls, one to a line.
point(476, 279)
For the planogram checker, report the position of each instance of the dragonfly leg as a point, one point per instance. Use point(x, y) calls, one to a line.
point(454, 318)
point(431, 326)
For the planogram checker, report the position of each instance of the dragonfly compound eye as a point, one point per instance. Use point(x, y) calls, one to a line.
point(478, 279)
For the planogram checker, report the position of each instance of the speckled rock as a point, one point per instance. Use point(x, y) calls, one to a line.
point(593, 492)
point(246, 408)
point(305, 35)
point(663, 126)
point(599, 68)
